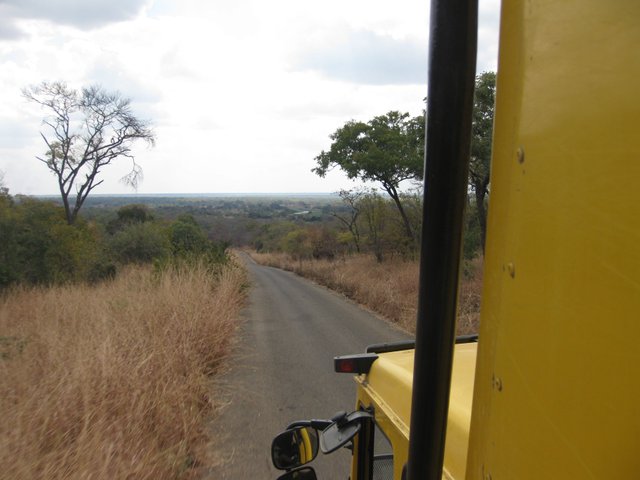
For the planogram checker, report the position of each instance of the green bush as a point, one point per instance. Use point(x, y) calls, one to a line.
point(140, 243)
point(129, 215)
point(39, 247)
point(187, 236)
point(102, 270)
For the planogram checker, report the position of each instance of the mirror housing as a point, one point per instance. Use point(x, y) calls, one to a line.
point(294, 448)
point(306, 473)
point(342, 430)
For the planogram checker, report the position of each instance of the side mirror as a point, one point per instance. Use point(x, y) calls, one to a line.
point(293, 448)
point(342, 430)
point(306, 473)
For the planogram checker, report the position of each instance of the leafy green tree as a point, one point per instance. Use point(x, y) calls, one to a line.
point(140, 243)
point(297, 243)
point(270, 235)
point(87, 129)
point(72, 253)
point(388, 150)
point(481, 137)
point(134, 213)
point(36, 221)
point(128, 215)
point(311, 242)
point(39, 247)
point(187, 236)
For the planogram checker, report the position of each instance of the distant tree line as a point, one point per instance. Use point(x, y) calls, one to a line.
point(366, 222)
point(387, 150)
point(40, 247)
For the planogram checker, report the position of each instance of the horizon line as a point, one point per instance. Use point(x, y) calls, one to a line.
point(184, 194)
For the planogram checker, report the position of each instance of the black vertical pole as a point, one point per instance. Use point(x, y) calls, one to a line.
point(452, 55)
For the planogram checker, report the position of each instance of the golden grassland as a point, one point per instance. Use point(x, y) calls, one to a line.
point(113, 381)
point(389, 288)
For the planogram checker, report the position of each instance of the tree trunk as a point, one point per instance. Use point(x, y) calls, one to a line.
point(67, 207)
point(355, 235)
point(407, 225)
point(480, 189)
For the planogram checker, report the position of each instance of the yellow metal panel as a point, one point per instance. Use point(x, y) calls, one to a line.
point(558, 385)
point(388, 389)
point(462, 378)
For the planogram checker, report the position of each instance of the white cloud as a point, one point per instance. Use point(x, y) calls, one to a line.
point(78, 13)
point(368, 58)
point(243, 95)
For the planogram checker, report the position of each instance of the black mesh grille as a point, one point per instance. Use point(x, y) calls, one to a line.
point(383, 467)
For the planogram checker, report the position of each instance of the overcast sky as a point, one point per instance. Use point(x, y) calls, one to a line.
point(242, 94)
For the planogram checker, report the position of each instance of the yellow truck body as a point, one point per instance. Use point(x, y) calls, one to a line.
point(387, 389)
point(557, 389)
point(557, 385)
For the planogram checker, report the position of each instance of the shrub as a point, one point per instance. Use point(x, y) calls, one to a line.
point(187, 236)
point(128, 215)
point(39, 247)
point(140, 243)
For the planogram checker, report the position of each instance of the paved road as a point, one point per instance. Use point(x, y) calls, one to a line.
point(282, 370)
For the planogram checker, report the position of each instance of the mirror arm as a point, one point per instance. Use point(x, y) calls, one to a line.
point(299, 423)
point(315, 423)
point(359, 415)
point(320, 425)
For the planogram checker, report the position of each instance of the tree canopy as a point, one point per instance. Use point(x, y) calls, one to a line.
point(388, 150)
point(86, 130)
point(481, 137)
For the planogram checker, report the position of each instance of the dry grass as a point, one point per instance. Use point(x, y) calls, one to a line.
point(112, 381)
point(389, 288)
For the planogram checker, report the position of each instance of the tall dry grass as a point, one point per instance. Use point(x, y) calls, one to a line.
point(389, 288)
point(112, 381)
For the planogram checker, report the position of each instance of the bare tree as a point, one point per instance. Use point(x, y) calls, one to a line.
point(87, 130)
point(351, 198)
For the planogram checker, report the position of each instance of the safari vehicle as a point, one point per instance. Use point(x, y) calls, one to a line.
point(552, 388)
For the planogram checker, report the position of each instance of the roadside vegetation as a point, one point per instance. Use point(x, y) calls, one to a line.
point(363, 251)
point(110, 333)
point(370, 251)
point(113, 380)
point(39, 247)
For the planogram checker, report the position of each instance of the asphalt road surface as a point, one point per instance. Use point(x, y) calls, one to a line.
point(282, 370)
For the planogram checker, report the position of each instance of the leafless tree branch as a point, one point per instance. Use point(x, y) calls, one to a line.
point(87, 130)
